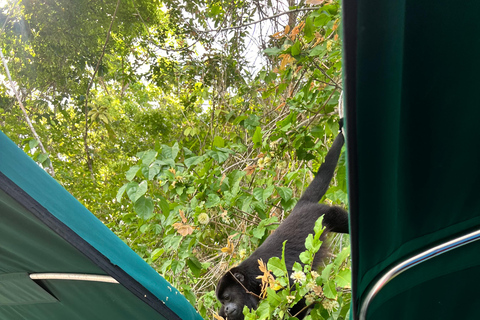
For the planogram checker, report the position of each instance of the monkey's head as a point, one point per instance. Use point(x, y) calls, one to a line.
point(232, 293)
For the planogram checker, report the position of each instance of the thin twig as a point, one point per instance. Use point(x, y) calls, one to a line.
point(258, 21)
point(238, 163)
point(326, 75)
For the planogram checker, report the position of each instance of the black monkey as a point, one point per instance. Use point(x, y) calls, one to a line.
point(235, 288)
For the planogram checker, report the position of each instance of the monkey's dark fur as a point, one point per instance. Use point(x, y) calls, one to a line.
point(295, 229)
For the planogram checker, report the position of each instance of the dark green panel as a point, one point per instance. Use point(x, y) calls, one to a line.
point(19, 289)
point(38, 249)
point(417, 174)
point(81, 300)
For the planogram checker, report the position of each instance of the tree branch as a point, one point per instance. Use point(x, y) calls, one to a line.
point(258, 21)
point(12, 85)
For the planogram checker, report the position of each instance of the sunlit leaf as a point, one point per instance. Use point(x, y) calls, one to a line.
point(144, 208)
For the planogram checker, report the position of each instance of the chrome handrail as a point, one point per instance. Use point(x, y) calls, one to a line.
point(413, 261)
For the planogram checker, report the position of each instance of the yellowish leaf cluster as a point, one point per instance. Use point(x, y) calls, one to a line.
point(217, 317)
point(268, 280)
point(297, 30)
point(229, 249)
point(286, 60)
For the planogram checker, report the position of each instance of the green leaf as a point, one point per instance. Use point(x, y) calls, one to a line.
point(131, 190)
point(170, 163)
point(289, 205)
point(33, 143)
point(170, 153)
point(215, 10)
point(187, 152)
point(305, 257)
point(329, 290)
point(259, 232)
point(285, 192)
point(195, 266)
point(246, 204)
point(277, 267)
point(273, 298)
point(42, 157)
point(297, 267)
point(148, 157)
point(317, 131)
point(286, 123)
point(239, 119)
point(164, 206)
point(173, 242)
point(156, 253)
point(258, 194)
point(193, 161)
point(252, 122)
point(268, 192)
point(132, 172)
point(177, 266)
point(225, 150)
point(257, 137)
point(188, 293)
point(144, 208)
point(120, 192)
point(309, 29)
point(263, 194)
point(175, 150)
point(309, 242)
point(213, 200)
point(341, 257)
point(325, 276)
point(263, 311)
point(218, 156)
point(296, 48)
point(272, 51)
point(152, 172)
point(142, 189)
point(322, 20)
point(318, 228)
point(344, 278)
point(318, 50)
point(218, 142)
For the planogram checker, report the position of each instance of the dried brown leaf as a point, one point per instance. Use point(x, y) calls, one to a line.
point(182, 215)
point(250, 169)
point(183, 229)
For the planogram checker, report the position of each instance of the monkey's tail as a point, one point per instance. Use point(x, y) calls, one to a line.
point(320, 183)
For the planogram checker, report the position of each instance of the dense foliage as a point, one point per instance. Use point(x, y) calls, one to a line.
point(189, 128)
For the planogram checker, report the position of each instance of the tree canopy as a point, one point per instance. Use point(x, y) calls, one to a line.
point(189, 128)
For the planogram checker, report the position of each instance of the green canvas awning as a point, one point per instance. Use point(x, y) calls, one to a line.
point(58, 261)
point(412, 107)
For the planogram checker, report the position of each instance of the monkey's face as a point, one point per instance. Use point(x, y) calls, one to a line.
point(233, 298)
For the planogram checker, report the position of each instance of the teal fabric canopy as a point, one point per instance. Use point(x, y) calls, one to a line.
point(58, 261)
point(412, 102)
